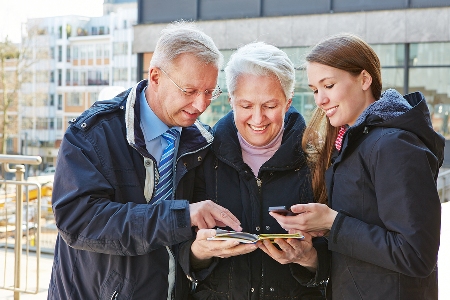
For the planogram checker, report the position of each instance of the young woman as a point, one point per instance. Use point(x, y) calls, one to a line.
point(382, 158)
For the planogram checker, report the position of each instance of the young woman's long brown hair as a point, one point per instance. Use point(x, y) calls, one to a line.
point(349, 53)
point(318, 144)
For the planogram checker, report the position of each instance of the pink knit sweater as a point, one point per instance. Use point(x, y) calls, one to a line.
point(256, 156)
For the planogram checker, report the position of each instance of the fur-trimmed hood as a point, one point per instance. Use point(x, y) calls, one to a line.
point(409, 112)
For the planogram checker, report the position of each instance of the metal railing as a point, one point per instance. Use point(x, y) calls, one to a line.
point(24, 256)
point(22, 207)
point(443, 185)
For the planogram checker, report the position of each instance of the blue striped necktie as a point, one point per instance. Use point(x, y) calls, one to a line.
point(165, 184)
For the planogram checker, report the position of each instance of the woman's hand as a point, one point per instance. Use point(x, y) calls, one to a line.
point(311, 217)
point(202, 250)
point(297, 251)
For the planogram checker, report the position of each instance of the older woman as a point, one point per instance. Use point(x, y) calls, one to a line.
point(256, 161)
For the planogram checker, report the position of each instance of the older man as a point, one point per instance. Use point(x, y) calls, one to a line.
point(121, 165)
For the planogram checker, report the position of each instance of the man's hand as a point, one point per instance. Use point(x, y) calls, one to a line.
point(207, 214)
point(203, 250)
point(297, 251)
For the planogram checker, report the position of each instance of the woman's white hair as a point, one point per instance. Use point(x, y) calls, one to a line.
point(261, 59)
point(185, 37)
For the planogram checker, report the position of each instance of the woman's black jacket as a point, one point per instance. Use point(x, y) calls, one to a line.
point(385, 239)
point(282, 180)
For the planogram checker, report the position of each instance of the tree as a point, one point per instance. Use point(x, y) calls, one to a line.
point(15, 63)
point(11, 62)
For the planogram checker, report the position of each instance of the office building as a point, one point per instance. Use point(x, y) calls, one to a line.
point(75, 58)
point(411, 37)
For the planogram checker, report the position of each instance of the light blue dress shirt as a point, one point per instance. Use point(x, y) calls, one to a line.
point(153, 128)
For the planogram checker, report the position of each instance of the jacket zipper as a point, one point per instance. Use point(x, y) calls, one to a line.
point(261, 290)
point(198, 150)
point(259, 183)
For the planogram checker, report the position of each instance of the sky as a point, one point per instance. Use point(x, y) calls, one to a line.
point(14, 12)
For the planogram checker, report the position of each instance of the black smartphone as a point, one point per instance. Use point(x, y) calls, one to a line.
point(282, 210)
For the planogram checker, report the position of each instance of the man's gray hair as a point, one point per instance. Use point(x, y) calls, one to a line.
point(185, 37)
point(261, 59)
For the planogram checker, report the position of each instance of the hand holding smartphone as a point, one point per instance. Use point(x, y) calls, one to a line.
point(282, 210)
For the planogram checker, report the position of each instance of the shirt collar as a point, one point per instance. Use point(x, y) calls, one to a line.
point(153, 126)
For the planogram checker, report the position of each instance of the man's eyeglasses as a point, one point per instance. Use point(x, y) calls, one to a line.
point(211, 95)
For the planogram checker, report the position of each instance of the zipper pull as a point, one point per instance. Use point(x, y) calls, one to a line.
point(258, 182)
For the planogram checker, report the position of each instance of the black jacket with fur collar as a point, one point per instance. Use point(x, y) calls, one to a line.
point(385, 239)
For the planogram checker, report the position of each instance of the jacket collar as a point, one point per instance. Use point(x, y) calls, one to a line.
point(392, 110)
point(290, 154)
point(193, 138)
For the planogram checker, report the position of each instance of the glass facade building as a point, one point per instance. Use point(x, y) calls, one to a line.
point(411, 38)
point(423, 67)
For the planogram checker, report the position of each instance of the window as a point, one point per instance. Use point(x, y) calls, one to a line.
point(106, 51)
point(52, 100)
point(68, 54)
point(95, 77)
point(9, 145)
point(69, 30)
point(59, 77)
point(120, 74)
point(75, 99)
point(81, 31)
point(93, 96)
point(42, 76)
point(83, 78)
point(75, 77)
point(99, 52)
point(75, 52)
point(90, 52)
point(391, 55)
point(59, 53)
point(133, 75)
point(27, 123)
point(82, 52)
point(120, 48)
point(105, 77)
point(67, 77)
point(58, 123)
point(60, 102)
point(116, 74)
point(430, 54)
point(41, 100)
point(41, 123)
point(429, 73)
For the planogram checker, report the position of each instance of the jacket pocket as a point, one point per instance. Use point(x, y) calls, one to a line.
point(368, 283)
point(116, 287)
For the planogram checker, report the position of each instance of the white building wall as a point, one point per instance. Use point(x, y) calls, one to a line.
point(97, 34)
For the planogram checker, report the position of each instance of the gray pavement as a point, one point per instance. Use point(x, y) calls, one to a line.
point(443, 264)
